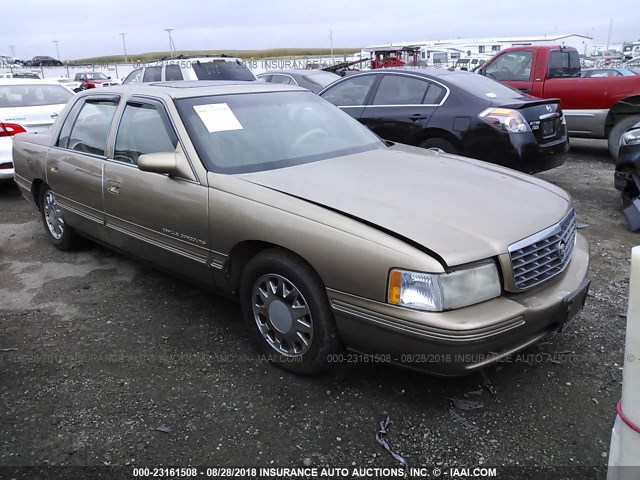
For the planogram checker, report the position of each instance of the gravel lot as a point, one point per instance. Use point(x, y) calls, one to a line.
point(99, 354)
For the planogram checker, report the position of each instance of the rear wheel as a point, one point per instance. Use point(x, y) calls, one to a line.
point(439, 145)
point(285, 306)
point(617, 131)
point(61, 235)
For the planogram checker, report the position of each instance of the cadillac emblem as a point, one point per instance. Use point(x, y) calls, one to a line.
point(562, 250)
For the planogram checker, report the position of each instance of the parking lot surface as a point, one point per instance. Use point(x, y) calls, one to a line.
point(104, 361)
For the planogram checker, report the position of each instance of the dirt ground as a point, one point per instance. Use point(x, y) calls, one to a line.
point(104, 361)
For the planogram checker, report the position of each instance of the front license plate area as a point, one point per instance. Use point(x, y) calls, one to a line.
point(573, 304)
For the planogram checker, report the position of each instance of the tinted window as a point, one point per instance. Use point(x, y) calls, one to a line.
point(564, 63)
point(434, 95)
point(173, 72)
point(134, 77)
point(513, 66)
point(400, 90)
point(33, 95)
point(143, 129)
point(222, 70)
point(91, 129)
point(352, 91)
point(63, 139)
point(152, 74)
point(262, 131)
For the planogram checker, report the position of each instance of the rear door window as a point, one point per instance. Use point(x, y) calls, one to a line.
point(400, 90)
point(152, 74)
point(173, 72)
point(91, 129)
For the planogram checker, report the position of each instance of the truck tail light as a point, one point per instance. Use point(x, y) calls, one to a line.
point(10, 129)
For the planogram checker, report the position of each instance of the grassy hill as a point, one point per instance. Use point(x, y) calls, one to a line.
point(244, 54)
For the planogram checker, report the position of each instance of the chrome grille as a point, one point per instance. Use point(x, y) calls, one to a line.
point(544, 255)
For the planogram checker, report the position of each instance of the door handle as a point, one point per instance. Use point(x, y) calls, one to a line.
point(524, 90)
point(417, 116)
point(113, 187)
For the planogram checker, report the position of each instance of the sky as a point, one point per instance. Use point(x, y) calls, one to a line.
point(87, 29)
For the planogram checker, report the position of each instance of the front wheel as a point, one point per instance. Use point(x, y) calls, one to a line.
point(617, 131)
point(285, 306)
point(61, 235)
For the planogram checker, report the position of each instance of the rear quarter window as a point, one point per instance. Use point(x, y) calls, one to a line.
point(222, 70)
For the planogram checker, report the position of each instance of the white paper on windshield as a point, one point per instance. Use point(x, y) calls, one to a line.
point(217, 117)
point(491, 95)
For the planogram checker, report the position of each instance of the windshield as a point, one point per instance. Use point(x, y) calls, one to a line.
point(33, 95)
point(95, 76)
point(263, 131)
point(222, 70)
point(321, 78)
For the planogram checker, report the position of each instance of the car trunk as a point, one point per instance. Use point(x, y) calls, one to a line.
point(544, 118)
point(35, 119)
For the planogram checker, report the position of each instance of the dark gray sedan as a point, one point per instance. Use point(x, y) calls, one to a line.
point(313, 80)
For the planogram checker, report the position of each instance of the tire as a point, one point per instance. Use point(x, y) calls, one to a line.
point(60, 234)
point(617, 131)
point(285, 306)
point(439, 144)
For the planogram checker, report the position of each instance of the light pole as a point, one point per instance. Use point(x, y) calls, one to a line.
point(331, 42)
point(124, 45)
point(57, 49)
point(13, 51)
point(172, 47)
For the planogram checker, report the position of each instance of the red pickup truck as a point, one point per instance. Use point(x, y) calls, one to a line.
point(594, 107)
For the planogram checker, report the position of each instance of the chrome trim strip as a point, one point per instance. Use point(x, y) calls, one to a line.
point(423, 331)
point(541, 235)
point(177, 251)
point(86, 215)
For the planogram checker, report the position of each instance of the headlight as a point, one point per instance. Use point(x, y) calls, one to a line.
point(436, 292)
point(631, 138)
point(505, 119)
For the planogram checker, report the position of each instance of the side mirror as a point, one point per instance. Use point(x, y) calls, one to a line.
point(164, 162)
point(481, 72)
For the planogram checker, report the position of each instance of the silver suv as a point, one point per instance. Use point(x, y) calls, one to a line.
point(210, 67)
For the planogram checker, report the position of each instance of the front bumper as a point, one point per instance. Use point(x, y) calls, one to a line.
point(460, 341)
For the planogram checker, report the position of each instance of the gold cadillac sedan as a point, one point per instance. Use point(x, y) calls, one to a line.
point(329, 236)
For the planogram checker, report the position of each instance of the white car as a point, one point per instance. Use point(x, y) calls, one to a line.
point(26, 106)
point(69, 83)
point(212, 67)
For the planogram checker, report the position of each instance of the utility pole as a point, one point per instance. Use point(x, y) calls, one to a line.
point(609, 36)
point(124, 45)
point(57, 49)
point(331, 42)
point(172, 47)
point(13, 51)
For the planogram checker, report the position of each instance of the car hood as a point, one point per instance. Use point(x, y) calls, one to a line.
point(463, 210)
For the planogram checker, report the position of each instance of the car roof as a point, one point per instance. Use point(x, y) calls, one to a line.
point(197, 88)
point(420, 71)
point(27, 81)
point(299, 71)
